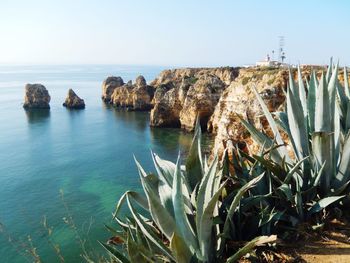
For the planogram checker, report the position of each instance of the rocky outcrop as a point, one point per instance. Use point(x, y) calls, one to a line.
point(73, 101)
point(239, 100)
point(134, 97)
point(182, 94)
point(36, 97)
point(108, 87)
point(200, 100)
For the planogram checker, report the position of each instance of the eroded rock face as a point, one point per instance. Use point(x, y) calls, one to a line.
point(239, 100)
point(108, 87)
point(182, 94)
point(36, 97)
point(73, 101)
point(201, 99)
point(135, 97)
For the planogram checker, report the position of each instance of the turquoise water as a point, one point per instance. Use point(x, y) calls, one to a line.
point(88, 154)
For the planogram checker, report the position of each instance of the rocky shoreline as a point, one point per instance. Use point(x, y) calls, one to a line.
point(218, 96)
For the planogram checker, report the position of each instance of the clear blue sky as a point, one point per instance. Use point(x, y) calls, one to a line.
point(165, 32)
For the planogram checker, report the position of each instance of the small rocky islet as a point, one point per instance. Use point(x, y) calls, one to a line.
point(176, 97)
point(73, 101)
point(36, 97)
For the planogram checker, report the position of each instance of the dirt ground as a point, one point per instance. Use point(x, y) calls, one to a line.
point(331, 245)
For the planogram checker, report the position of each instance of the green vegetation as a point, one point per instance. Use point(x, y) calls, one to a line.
point(189, 213)
point(194, 212)
point(317, 126)
point(245, 80)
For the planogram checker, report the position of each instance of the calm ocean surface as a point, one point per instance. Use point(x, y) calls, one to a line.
point(88, 154)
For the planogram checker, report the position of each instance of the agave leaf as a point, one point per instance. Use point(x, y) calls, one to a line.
point(139, 199)
point(204, 191)
point(346, 83)
point(293, 170)
point(311, 101)
point(347, 119)
point(343, 174)
point(323, 149)
point(182, 222)
point(341, 99)
point(272, 123)
point(164, 220)
point(134, 251)
point(329, 70)
point(337, 135)
point(332, 89)
point(225, 164)
point(147, 231)
point(302, 93)
point(180, 249)
point(323, 203)
point(194, 166)
point(258, 241)
point(236, 201)
point(323, 108)
point(165, 169)
point(206, 223)
point(261, 139)
point(115, 253)
point(297, 125)
point(292, 86)
point(319, 174)
point(285, 189)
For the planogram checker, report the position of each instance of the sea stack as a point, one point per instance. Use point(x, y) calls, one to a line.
point(73, 101)
point(36, 97)
point(136, 96)
point(109, 85)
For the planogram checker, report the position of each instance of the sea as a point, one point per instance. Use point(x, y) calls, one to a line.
point(62, 171)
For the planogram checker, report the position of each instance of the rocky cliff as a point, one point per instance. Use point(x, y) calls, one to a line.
point(130, 96)
point(136, 96)
point(239, 100)
point(182, 94)
point(217, 95)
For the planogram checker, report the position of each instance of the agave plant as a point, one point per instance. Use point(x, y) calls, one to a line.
point(317, 122)
point(184, 215)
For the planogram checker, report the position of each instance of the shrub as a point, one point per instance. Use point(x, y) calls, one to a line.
point(317, 123)
point(185, 214)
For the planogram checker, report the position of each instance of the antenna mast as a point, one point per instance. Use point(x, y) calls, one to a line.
point(282, 54)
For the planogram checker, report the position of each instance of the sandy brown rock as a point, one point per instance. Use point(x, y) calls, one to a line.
point(181, 94)
point(239, 100)
point(135, 97)
point(73, 101)
point(201, 99)
point(36, 97)
point(109, 85)
point(166, 113)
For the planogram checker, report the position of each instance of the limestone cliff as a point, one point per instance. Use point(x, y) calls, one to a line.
point(239, 100)
point(182, 94)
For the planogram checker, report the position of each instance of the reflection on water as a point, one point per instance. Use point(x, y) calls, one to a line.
point(172, 138)
point(138, 120)
point(37, 115)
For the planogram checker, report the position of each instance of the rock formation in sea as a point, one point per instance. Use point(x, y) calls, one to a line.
point(182, 94)
point(36, 97)
point(136, 96)
point(108, 87)
point(73, 101)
